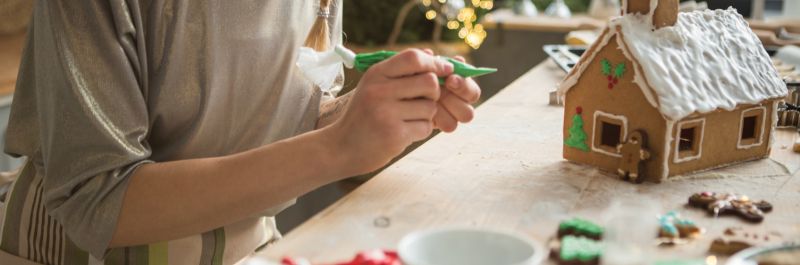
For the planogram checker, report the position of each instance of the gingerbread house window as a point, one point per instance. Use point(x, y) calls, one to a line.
point(689, 140)
point(609, 130)
point(751, 127)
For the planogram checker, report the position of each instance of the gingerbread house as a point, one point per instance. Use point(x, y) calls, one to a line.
point(697, 86)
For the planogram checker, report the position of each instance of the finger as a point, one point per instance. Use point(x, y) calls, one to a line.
point(461, 110)
point(417, 86)
point(413, 61)
point(428, 51)
point(464, 88)
point(459, 58)
point(418, 130)
point(416, 109)
point(444, 120)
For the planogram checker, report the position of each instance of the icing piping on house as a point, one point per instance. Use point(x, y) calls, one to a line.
point(667, 144)
point(677, 158)
point(774, 125)
point(760, 141)
point(649, 16)
point(638, 78)
point(572, 78)
point(624, 131)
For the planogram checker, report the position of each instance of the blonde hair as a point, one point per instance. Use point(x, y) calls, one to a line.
point(318, 38)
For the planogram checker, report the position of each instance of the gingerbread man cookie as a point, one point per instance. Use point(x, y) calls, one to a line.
point(634, 153)
point(737, 239)
point(727, 203)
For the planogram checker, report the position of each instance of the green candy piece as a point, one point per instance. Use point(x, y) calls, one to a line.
point(580, 248)
point(366, 60)
point(581, 226)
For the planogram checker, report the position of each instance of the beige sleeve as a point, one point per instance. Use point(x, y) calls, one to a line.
point(82, 109)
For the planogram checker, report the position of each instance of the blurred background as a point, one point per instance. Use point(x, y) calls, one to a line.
point(504, 34)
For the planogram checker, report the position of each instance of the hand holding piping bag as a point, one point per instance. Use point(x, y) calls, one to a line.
point(454, 105)
point(363, 61)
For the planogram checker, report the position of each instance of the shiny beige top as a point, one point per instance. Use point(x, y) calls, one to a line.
point(105, 86)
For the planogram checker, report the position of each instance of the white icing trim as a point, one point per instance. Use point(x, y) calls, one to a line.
point(678, 158)
point(653, 7)
point(667, 144)
point(774, 123)
point(623, 130)
point(760, 141)
point(638, 78)
point(572, 80)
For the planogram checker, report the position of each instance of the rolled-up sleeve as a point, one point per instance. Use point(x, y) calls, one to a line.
point(86, 71)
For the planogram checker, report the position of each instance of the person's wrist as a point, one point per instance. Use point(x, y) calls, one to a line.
point(336, 154)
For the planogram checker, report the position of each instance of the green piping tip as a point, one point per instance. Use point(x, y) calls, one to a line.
point(364, 61)
point(466, 70)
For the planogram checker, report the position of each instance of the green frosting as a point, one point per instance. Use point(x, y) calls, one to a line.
point(577, 137)
point(365, 60)
point(580, 248)
point(605, 67)
point(581, 226)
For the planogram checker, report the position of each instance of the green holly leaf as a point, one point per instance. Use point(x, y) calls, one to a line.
point(620, 70)
point(606, 67)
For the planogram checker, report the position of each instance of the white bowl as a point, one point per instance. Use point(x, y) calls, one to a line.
point(468, 246)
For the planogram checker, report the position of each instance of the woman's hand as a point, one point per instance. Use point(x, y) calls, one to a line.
point(393, 106)
point(454, 105)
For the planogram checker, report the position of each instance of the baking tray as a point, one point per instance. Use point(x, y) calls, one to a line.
point(565, 56)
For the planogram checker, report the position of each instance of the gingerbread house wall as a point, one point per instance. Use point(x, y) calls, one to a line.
point(626, 99)
point(720, 145)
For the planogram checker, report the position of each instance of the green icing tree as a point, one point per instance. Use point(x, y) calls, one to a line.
point(577, 137)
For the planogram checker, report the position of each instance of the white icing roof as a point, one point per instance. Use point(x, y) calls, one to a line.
point(709, 60)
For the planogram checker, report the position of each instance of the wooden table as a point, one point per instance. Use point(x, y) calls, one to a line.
point(505, 171)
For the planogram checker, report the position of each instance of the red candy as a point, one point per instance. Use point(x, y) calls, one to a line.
point(375, 257)
point(369, 257)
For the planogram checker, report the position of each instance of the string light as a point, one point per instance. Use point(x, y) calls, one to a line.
point(711, 260)
point(452, 24)
point(465, 21)
point(430, 15)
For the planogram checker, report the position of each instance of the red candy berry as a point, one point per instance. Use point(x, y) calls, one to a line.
point(610, 86)
point(609, 78)
point(579, 110)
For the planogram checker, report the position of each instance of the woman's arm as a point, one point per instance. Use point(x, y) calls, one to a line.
point(174, 199)
point(331, 110)
point(392, 107)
